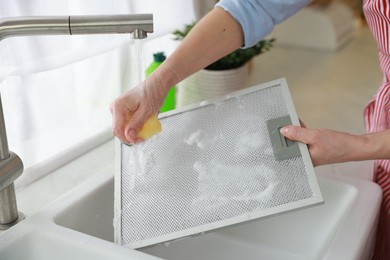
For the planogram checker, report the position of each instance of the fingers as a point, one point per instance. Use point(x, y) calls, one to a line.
point(119, 117)
point(120, 109)
point(297, 133)
point(135, 124)
point(303, 135)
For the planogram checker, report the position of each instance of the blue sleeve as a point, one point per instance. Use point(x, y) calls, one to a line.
point(258, 17)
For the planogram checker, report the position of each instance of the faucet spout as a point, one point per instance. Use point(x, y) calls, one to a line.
point(104, 24)
point(79, 24)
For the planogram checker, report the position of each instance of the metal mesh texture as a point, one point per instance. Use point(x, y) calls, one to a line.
point(209, 164)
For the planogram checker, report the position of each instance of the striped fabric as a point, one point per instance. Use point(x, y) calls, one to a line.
point(377, 114)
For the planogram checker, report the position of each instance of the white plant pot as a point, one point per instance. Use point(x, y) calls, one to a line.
point(207, 84)
point(202, 7)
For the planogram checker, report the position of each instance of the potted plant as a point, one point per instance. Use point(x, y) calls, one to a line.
point(228, 74)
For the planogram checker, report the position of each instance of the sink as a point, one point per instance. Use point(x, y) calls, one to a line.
point(93, 213)
point(79, 225)
point(38, 237)
point(342, 228)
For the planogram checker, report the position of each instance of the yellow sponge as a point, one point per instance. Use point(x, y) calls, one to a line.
point(151, 127)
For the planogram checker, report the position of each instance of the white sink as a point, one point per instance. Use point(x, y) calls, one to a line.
point(339, 229)
point(79, 225)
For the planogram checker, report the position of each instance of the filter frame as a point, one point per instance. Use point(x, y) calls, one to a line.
point(316, 199)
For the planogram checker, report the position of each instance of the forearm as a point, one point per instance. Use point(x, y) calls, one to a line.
point(329, 146)
point(231, 25)
point(215, 36)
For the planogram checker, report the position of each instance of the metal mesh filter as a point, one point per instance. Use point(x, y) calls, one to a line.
point(212, 166)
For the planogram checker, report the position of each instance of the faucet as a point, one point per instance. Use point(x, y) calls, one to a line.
point(11, 166)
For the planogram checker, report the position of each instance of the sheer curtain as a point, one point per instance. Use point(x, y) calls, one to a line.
point(56, 90)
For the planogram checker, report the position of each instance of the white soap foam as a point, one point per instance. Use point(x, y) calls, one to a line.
point(202, 140)
point(220, 184)
point(248, 142)
point(196, 139)
point(143, 160)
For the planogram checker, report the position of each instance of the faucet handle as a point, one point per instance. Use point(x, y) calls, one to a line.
point(10, 169)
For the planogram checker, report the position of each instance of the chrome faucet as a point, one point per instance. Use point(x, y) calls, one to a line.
point(138, 24)
point(11, 166)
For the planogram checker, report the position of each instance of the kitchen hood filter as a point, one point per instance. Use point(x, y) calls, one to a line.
point(216, 164)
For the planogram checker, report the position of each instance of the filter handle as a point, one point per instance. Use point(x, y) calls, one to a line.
point(283, 148)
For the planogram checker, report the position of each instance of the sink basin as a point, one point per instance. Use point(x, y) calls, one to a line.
point(93, 213)
point(342, 228)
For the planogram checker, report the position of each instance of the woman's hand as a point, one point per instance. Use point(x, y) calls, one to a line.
point(139, 103)
point(326, 146)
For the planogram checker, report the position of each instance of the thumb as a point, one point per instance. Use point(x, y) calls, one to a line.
point(296, 133)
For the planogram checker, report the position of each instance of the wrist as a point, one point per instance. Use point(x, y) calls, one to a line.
point(352, 147)
point(362, 148)
point(166, 77)
point(365, 147)
point(376, 145)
